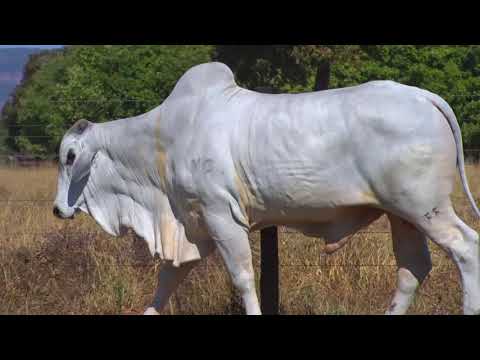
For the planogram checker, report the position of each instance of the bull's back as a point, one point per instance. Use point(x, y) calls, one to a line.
point(327, 150)
point(298, 155)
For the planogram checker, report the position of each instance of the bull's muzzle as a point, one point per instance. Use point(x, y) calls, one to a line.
point(58, 213)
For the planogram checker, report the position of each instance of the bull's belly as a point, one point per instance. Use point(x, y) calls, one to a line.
point(327, 208)
point(333, 225)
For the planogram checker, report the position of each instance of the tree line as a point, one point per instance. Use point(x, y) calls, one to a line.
point(107, 82)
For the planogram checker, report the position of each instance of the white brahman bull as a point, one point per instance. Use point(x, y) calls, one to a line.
point(216, 161)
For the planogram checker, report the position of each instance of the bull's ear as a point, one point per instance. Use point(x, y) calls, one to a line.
point(81, 166)
point(81, 126)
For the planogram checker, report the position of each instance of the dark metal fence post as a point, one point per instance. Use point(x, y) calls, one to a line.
point(269, 276)
point(269, 280)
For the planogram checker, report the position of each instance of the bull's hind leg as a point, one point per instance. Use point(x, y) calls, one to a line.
point(413, 260)
point(461, 243)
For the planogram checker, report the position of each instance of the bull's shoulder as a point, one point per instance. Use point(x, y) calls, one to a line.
point(203, 79)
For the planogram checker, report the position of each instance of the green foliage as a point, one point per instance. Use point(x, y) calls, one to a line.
point(450, 71)
point(286, 68)
point(107, 82)
point(99, 83)
point(281, 67)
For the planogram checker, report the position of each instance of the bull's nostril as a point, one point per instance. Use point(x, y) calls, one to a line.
point(56, 212)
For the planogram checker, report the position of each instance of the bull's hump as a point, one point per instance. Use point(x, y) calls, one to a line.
point(205, 78)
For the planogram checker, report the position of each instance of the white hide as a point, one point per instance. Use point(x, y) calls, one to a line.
point(215, 161)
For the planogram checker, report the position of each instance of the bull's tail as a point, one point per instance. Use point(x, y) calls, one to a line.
point(449, 114)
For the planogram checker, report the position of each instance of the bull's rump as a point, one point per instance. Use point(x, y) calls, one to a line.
point(351, 147)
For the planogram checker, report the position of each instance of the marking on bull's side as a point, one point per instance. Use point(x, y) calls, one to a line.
point(431, 214)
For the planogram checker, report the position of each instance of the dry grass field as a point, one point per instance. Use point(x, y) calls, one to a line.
point(52, 267)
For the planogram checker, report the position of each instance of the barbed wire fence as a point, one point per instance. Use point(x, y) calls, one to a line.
point(46, 204)
point(10, 160)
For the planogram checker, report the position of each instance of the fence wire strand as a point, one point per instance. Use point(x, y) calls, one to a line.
point(41, 203)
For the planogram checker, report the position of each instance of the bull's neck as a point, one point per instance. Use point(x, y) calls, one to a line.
point(131, 138)
point(133, 146)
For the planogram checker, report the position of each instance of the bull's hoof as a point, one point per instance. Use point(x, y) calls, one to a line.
point(471, 312)
point(471, 309)
point(151, 311)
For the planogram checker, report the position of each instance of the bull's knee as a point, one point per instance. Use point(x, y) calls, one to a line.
point(244, 281)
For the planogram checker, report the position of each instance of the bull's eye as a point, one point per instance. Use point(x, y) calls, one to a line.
point(70, 158)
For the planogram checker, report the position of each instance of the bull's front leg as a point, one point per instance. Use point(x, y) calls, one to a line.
point(169, 278)
point(234, 247)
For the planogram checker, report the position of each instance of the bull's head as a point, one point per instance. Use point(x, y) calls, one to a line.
point(77, 153)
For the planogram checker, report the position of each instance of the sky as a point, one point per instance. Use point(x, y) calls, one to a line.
point(30, 46)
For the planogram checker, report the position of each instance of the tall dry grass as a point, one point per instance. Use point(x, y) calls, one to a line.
point(52, 267)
